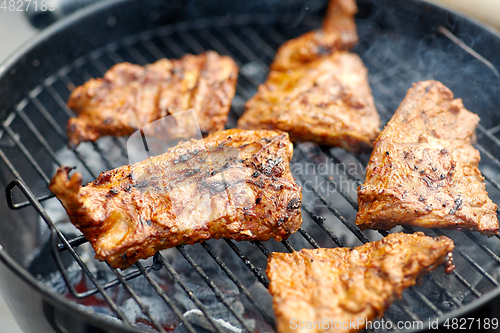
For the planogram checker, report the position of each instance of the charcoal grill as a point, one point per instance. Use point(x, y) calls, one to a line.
point(400, 43)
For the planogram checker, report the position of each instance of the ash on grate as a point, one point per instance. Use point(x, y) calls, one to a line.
point(217, 310)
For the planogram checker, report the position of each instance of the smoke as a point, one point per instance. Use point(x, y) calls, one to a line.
point(399, 47)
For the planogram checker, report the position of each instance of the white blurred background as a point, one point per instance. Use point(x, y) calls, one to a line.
point(487, 11)
point(14, 31)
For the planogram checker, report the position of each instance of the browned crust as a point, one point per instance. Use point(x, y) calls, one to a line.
point(338, 33)
point(423, 171)
point(342, 284)
point(193, 192)
point(130, 96)
point(328, 101)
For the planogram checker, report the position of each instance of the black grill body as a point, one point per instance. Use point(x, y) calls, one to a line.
point(400, 43)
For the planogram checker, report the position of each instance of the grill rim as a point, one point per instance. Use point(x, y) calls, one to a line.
point(56, 299)
point(46, 35)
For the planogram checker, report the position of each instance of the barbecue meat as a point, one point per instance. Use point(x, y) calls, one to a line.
point(340, 285)
point(129, 96)
point(328, 101)
point(337, 33)
point(424, 171)
point(317, 91)
point(233, 184)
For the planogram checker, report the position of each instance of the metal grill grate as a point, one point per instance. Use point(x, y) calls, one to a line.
point(35, 132)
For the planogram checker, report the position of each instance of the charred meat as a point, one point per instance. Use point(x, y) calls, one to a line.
point(424, 170)
point(129, 96)
point(234, 184)
point(350, 285)
point(338, 33)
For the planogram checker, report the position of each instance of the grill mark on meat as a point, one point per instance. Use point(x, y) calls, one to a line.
point(458, 205)
point(130, 97)
point(427, 180)
point(269, 167)
point(347, 284)
point(259, 184)
point(143, 184)
point(156, 199)
point(432, 158)
point(191, 172)
point(294, 204)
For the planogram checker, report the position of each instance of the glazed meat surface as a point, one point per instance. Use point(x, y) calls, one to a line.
point(129, 96)
point(344, 285)
point(316, 90)
point(233, 184)
point(424, 170)
point(328, 101)
point(337, 33)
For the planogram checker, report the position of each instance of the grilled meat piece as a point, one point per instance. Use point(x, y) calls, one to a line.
point(337, 33)
point(424, 171)
point(317, 91)
point(233, 184)
point(328, 101)
point(129, 96)
point(349, 285)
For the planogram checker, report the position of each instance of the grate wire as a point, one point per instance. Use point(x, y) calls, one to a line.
point(245, 54)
